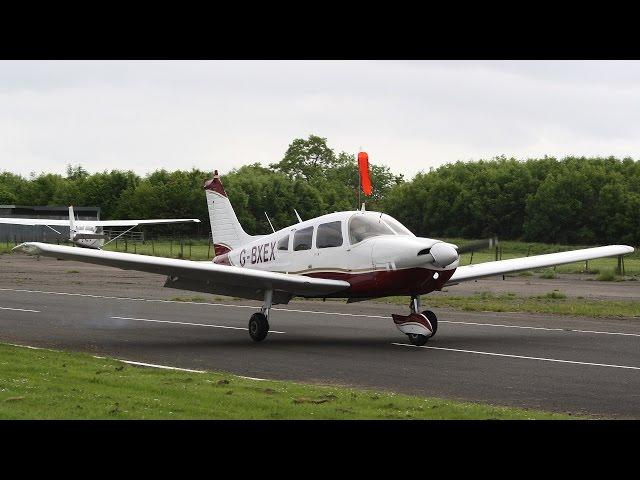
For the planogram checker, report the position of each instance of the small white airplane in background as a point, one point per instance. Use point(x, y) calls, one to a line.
point(355, 255)
point(88, 233)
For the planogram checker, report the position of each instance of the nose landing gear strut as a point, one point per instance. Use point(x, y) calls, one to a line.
point(418, 326)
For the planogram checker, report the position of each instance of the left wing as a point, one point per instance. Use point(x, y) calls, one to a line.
point(34, 221)
point(479, 270)
point(97, 223)
point(243, 282)
point(133, 223)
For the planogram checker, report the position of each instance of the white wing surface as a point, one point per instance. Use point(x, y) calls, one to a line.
point(200, 271)
point(34, 221)
point(133, 223)
point(472, 272)
point(97, 223)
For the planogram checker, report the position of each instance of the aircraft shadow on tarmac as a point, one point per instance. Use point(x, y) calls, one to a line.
point(364, 344)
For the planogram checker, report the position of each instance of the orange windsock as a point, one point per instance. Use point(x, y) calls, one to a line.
point(363, 167)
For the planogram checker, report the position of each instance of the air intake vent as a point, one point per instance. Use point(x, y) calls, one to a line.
point(424, 251)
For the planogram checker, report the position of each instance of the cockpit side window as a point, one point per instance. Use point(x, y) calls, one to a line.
point(283, 243)
point(366, 226)
point(329, 235)
point(302, 239)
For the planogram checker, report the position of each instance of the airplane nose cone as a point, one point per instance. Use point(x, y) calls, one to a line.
point(443, 254)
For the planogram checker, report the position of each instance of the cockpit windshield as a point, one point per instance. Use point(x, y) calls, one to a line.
point(366, 226)
point(396, 226)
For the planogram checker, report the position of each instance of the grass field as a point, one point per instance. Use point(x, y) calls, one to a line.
point(45, 384)
point(552, 302)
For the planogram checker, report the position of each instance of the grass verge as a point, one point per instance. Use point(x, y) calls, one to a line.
point(195, 298)
point(552, 302)
point(45, 384)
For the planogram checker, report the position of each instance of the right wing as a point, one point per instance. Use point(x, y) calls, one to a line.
point(243, 279)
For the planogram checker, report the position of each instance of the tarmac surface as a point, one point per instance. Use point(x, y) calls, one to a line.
point(558, 363)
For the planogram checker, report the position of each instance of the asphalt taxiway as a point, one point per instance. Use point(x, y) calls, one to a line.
point(558, 363)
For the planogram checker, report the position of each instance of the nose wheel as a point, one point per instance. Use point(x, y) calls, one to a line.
point(418, 339)
point(418, 326)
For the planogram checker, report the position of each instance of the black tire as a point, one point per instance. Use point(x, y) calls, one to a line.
point(417, 339)
point(433, 320)
point(258, 327)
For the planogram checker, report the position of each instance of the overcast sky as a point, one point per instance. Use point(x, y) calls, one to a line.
point(409, 115)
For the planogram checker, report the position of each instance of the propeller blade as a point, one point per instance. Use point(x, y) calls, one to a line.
point(478, 245)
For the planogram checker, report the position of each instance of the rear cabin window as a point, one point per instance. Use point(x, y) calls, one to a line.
point(302, 239)
point(283, 243)
point(329, 235)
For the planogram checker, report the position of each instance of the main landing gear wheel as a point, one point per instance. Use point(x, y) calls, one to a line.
point(419, 340)
point(258, 327)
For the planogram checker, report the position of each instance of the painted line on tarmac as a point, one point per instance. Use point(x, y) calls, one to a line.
point(186, 323)
point(496, 325)
point(569, 330)
point(20, 310)
point(131, 362)
point(154, 365)
point(107, 297)
point(28, 346)
point(524, 357)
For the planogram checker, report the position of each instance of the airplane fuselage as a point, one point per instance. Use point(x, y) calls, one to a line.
point(87, 235)
point(370, 250)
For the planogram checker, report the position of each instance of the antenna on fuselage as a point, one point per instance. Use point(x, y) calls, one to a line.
point(362, 208)
point(274, 230)
point(299, 219)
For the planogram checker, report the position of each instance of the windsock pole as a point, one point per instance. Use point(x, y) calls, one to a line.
point(359, 178)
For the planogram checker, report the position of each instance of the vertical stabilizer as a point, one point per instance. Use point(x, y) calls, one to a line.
point(72, 227)
point(226, 231)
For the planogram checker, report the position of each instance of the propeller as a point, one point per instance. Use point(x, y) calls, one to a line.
point(478, 245)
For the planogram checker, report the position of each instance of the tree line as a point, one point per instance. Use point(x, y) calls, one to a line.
point(574, 200)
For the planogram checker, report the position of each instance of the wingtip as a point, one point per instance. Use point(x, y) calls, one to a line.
point(627, 248)
point(27, 247)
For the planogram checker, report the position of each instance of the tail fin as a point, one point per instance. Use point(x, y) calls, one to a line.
point(226, 231)
point(72, 228)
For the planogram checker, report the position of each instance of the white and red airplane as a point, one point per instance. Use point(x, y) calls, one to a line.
point(89, 233)
point(354, 255)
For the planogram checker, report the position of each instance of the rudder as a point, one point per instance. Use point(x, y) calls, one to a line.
point(226, 231)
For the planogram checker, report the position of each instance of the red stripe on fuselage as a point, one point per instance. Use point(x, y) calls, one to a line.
point(410, 281)
point(220, 249)
point(222, 258)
